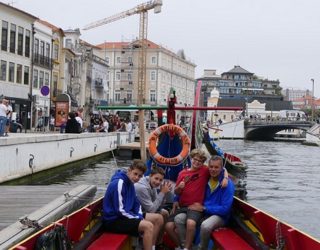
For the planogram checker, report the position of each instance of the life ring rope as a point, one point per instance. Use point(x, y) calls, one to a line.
point(173, 161)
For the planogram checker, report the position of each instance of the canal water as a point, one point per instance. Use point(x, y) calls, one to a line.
point(283, 178)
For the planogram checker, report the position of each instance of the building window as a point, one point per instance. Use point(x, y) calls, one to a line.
point(26, 75)
point(20, 41)
point(69, 43)
point(41, 79)
point(118, 59)
point(153, 75)
point(46, 79)
point(42, 48)
point(107, 60)
point(35, 78)
point(55, 85)
point(13, 28)
point(117, 96)
point(55, 51)
point(130, 76)
point(27, 44)
point(129, 95)
point(36, 47)
point(3, 71)
point(130, 60)
point(152, 95)
point(153, 60)
point(4, 36)
point(47, 54)
point(11, 72)
point(19, 73)
point(118, 76)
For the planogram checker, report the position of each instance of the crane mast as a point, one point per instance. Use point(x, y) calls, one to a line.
point(141, 9)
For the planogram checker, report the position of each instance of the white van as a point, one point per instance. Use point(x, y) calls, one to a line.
point(292, 115)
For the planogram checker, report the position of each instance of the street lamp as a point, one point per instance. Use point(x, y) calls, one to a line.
point(312, 98)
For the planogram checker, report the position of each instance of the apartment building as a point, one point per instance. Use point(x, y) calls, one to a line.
point(16, 29)
point(164, 69)
point(41, 76)
point(240, 84)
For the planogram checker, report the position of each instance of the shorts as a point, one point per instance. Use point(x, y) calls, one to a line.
point(191, 214)
point(123, 226)
point(8, 121)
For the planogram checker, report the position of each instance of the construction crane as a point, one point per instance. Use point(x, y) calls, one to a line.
point(142, 10)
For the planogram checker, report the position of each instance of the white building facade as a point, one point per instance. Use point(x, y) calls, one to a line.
point(42, 72)
point(164, 70)
point(16, 29)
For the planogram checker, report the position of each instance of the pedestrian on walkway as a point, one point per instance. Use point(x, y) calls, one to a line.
point(3, 116)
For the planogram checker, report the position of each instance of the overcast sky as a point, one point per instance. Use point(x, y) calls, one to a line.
point(275, 39)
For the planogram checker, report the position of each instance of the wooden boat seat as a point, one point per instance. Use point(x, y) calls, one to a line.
point(226, 239)
point(110, 241)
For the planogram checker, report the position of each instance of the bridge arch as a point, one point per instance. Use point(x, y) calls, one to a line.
point(265, 131)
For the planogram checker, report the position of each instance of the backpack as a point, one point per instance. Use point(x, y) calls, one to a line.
point(54, 239)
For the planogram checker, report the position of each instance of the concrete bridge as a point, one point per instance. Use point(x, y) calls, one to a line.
point(265, 130)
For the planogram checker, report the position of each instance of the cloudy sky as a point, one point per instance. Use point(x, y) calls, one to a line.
point(275, 39)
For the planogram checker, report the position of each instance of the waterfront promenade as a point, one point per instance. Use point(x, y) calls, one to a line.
point(26, 153)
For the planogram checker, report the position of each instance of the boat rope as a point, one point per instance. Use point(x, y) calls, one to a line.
point(279, 237)
point(80, 198)
point(27, 223)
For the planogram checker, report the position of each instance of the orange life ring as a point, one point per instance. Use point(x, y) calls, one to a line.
point(184, 140)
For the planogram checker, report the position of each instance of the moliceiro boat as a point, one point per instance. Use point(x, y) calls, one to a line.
point(250, 228)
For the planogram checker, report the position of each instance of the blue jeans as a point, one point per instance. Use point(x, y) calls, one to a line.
point(3, 122)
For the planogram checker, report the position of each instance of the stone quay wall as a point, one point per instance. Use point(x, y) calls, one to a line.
point(24, 154)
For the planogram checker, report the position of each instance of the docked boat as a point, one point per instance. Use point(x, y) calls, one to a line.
point(313, 136)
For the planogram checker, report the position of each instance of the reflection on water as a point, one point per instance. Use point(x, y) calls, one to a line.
point(282, 178)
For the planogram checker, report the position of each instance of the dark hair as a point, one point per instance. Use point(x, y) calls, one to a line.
point(157, 170)
point(71, 115)
point(216, 158)
point(138, 164)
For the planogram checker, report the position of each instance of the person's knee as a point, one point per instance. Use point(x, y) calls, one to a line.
point(146, 226)
point(191, 223)
point(205, 228)
point(169, 226)
point(159, 220)
point(180, 218)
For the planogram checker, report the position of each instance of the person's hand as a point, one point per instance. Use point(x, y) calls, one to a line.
point(181, 185)
point(196, 207)
point(224, 182)
point(175, 206)
point(166, 187)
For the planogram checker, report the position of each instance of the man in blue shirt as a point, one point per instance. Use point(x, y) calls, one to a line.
point(217, 204)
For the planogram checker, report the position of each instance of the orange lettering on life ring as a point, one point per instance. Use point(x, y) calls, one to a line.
point(184, 140)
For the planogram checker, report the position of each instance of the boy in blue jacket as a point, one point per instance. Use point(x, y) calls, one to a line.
point(122, 211)
point(217, 204)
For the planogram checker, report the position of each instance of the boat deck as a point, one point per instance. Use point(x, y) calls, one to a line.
point(17, 201)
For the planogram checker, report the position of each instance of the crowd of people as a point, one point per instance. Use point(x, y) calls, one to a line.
point(96, 123)
point(137, 205)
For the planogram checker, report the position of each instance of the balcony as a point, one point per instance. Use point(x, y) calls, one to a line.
point(42, 61)
point(98, 83)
